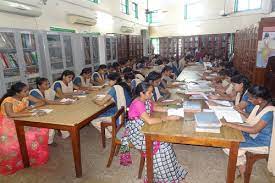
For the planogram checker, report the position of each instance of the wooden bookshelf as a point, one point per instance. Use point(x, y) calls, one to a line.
point(122, 47)
point(214, 44)
point(245, 54)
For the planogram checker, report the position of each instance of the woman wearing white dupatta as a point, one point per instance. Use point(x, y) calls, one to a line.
point(120, 93)
point(258, 134)
point(45, 93)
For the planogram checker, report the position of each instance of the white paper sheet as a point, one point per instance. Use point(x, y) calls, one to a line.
point(222, 102)
point(230, 115)
point(67, 100)
point(176, 112)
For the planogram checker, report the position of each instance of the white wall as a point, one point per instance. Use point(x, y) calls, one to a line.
point(109, 17)
point(211, 22)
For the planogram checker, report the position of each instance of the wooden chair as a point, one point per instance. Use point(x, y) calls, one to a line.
point(117, 132)
point(251, 158)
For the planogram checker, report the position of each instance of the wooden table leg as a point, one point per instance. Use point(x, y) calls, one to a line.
point(232, 161)
point(149, 158)
point(76, 151)
point(22, 143)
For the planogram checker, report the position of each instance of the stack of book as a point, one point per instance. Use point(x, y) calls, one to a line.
point(192, 106)
point(8, 60)
point(207, 122)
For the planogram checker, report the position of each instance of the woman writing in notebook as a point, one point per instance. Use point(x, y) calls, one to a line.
point(84, 81)
point(120, 93)
point(258, 134)
point(166, 168)
point(240, 84)
point(46, 94)
point(15, 104)
point(100, 76)
point(64, 87)
point(160, 94)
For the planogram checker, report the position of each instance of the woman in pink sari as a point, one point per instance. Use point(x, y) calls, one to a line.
point(15, 104)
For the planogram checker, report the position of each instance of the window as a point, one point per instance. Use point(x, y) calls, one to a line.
point(95, 1)
point(155, 43)
point(153, 17)
point(135, 10)
point(124, 6)
point(193, 9)
point(246, 5)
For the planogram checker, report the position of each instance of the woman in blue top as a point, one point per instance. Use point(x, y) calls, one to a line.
point(46, 94)
point(64, 87)
point(120, 93)
point(99, 77)
point(258, 95)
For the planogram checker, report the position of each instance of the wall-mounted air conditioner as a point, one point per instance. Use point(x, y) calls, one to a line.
point(20, 8)
point(126, 29)
point(78, 19)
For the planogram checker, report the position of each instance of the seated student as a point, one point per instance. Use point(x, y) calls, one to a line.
point(117, 67)
point(100, 76)
point(120, 93)
point(127, 70)
point(154, 78)
point(64, 87)
point(84, 81)
point(166, 167)
point(225, 87)
point(240, 85)
point(182, 64)
point(14, 104)
point(166, 74)
point(129, 78)
point(45, 93)
point(262, 127)
point(174, 65)
point(159, 93)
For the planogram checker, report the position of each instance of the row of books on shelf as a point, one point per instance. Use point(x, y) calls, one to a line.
point(8, 60)
point(31, 58)
point(28, 41)
point(7, 41)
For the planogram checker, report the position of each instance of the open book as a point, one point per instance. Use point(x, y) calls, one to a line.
point(175, 112)
point(229, 114)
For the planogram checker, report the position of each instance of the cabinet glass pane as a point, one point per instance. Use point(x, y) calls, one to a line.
point(32, 83)
point(95, 50)
point(108, 49)
point(55, 51)
point(68, 51)
point(8, 55)
point(30, 53)
point(8, 84)
point(114, 48)
point(87, 51)
point(56, 76)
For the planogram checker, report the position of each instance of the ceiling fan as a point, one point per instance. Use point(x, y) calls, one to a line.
point(147, 11)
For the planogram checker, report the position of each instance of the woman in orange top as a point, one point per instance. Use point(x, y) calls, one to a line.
point(15, 104)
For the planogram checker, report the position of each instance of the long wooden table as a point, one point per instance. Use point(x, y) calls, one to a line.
point(63, 117)
point(183, 132)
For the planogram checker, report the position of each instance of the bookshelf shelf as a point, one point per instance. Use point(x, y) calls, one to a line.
point(111, 49)
point(19, 57)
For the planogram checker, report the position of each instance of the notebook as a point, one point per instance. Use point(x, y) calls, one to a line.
point(207, 120)
point(192, 106)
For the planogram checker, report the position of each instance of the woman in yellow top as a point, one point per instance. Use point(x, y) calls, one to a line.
point(14, 104)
